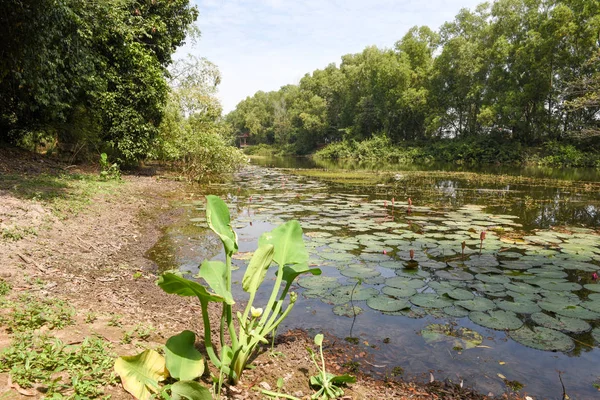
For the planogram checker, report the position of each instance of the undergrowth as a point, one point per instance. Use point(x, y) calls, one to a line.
point(29, 313)
point(480, 150)
point(72, 371)
point(65, 193)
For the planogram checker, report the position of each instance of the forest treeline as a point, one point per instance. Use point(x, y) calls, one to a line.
point(511, 72)
point(82, 76)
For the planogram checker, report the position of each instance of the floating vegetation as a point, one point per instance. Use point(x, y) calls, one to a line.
point(451, 261)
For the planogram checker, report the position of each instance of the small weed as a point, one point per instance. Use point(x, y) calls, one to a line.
point(31, 313)
point(115, 320)
point(137, 275)
point(17, 233)
point(4, 287)
point(386, 340)
point(353, 340)
point(127, 336)
point(353, 366)
point(515, 386)
point(90, 318)
point(109, 171)
point(84, 369)
point(397, 371)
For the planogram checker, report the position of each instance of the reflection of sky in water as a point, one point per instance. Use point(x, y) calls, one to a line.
point(536, 206)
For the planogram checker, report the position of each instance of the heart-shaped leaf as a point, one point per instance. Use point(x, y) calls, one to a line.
point(140, 374)
point(288, 242)
point(183, 361)
point(189, 390)
point(174, 284)
point(218, 219)
point(215, 274)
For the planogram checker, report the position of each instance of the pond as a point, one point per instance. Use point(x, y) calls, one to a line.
point(485, 278)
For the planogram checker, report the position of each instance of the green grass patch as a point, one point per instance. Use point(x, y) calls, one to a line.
point(66, 194)
point(4, 287)
point(29, 313)
point(73, 371)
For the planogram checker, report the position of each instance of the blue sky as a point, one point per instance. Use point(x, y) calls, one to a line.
point(265, 44)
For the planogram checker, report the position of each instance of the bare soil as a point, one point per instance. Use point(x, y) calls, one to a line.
point(94, 260)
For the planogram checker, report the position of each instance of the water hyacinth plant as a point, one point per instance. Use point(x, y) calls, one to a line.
point(284, 246)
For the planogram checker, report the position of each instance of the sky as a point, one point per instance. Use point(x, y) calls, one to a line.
point(266, 44)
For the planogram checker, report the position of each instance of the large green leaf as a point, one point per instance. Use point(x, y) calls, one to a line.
point(290, 272)
point(257, 268)
point(140, 374)
point(174, 284)
point(189, 390)
point(215, 274)
point(217, 218)
point(183, 361)
point(288, 242)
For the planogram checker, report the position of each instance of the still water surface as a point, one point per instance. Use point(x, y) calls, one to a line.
point(532, 271)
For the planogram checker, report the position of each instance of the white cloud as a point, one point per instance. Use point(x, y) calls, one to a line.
point(265, 44)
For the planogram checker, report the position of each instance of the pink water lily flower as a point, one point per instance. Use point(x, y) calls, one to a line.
point(595, 276)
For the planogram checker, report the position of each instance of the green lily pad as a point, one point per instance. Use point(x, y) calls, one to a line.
point(361, 272)
point(521, 287)
point(358, 292)
point(462, 337)
point(596, 334)
point(456, 311)
point(560, 323)
point(456, 274)
point(402, 282)
point(477, 304)
point(318, 282)
point(500, 279)
point(543, 339)
point(346, 310)
point(520, 307)
point(388, 304)
point(460, 294)
point(569, 310)
point(396, 292)
point(430, 300)
point(593, 287)
point(499, 319)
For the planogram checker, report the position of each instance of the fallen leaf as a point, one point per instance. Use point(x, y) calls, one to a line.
point(501, 362)
point(501, 376)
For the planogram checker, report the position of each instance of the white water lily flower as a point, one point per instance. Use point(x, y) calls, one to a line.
point(256, 312)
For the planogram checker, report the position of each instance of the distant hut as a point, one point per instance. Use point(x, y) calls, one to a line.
point(243, 139)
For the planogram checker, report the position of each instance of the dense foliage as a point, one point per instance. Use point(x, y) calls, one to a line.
point(91, 72)
point(192, 133)
point(511, 71)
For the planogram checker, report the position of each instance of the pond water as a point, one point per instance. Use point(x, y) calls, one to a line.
point(516, 305)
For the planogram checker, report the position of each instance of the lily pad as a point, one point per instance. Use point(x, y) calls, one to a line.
point(462, 337)
point(346, 310)
point(388, 304)
point(318, 282)
point(499, 319)
point(361, 272)
point(518, 306)
point(477, 304)
point(396, 292)
point(569, 310)
point(456, 311)
point(560, 323)
point(402, 282)
point(456, 274)
point(543, 339)
point(430, 300)
point(460, 294)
